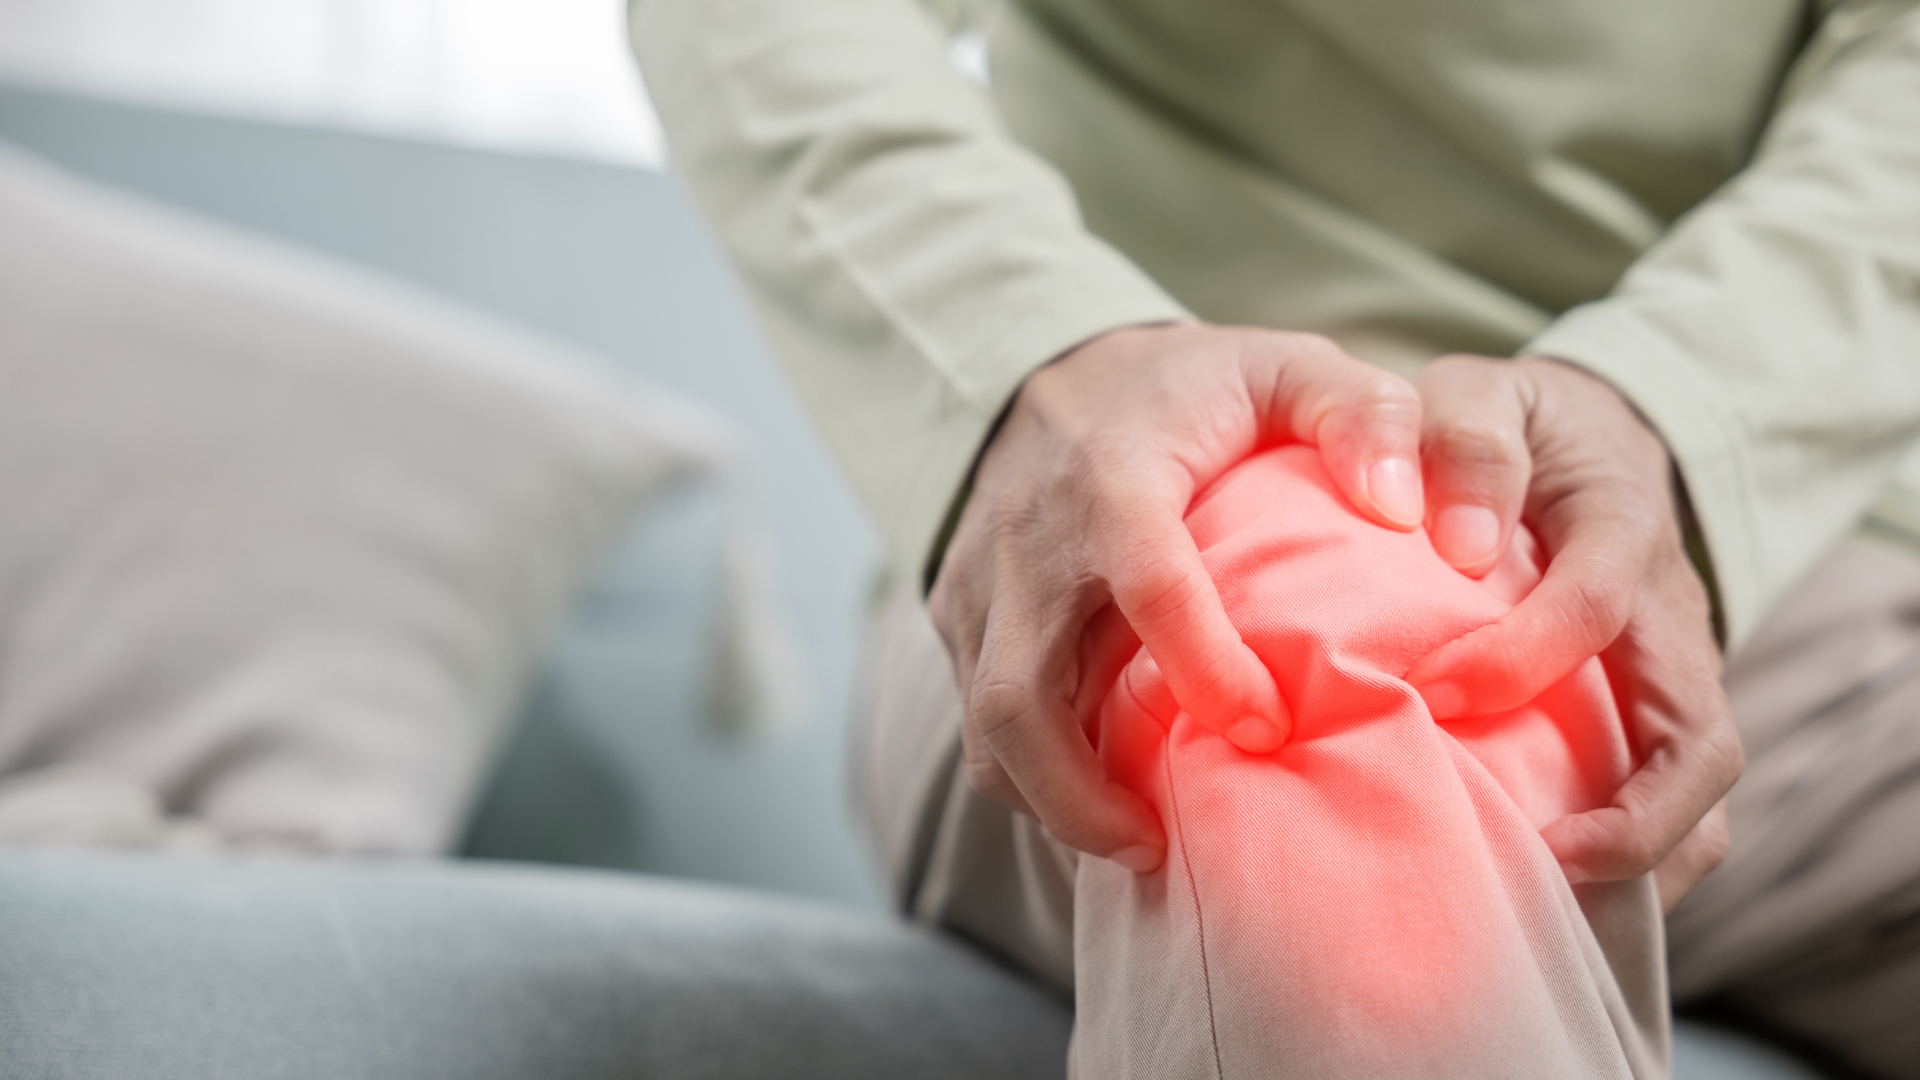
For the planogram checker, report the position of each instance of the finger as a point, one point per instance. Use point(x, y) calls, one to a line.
point(1665, 673)
point(1649, 816)
point(1160, 584)
point(1694, 858)
point(1026, 723)
point(1148, 688)
point(1365, 421)
point(1575, 612)
point(986, 775)
point(1579, 607)
point(961, 632)
point(1107, 645)
point(1473, 448)
point(957, 606)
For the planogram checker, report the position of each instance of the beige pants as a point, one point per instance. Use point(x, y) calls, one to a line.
point(1811, 926)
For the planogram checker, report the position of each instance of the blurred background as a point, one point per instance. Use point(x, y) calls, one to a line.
point(501, 153)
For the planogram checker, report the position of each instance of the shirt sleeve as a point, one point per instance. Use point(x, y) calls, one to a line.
point(1773, 335)
point(910, 262)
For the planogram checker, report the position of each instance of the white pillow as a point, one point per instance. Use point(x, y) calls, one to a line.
point(278, 542)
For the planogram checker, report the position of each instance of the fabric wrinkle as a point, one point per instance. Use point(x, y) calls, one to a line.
point(1373, 898)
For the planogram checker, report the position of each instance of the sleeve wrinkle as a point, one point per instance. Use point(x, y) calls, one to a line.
point(1773, 335)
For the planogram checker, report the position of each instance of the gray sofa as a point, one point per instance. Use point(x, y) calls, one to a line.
point(123, 966)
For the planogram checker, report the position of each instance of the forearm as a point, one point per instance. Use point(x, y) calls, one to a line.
point(909, 260)
point(1773, 337)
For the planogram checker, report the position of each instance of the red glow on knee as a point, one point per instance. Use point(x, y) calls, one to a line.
point(1381, 875)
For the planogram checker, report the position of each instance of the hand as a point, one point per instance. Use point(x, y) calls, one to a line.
point(1073, 551)
point(1545, 442)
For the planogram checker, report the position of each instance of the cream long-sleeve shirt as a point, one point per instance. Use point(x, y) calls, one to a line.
point(1713, 204)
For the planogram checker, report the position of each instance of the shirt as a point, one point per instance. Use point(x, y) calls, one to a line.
point(1712, 204)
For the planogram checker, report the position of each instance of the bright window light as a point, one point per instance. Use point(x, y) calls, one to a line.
point(536, 76)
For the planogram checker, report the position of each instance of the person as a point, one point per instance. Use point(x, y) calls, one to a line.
point(1035, 320)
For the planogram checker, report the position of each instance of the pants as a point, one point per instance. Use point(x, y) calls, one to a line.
point(1811, 926)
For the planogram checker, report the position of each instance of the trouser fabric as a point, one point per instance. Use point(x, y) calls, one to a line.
point(1812, 924)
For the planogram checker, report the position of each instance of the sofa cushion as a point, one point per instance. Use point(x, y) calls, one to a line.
point(132, 966)
point(282, 539)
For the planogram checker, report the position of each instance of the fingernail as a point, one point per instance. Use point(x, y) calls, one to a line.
point(1255, 736)
point(1444, 699)
point(1394, 486)
point(1466, 535)
point(1139, 858)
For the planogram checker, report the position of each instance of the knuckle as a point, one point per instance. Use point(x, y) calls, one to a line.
point(1459, 371)
point(958, 623)
point(1728, 757)
point(1313, 347)
point(1597, 610)
point(985, 776)
point(1476, 442)
point(984, 772)
point(1383, 391)
point(996, 705)
point(1156, 586)
point(1359, 387)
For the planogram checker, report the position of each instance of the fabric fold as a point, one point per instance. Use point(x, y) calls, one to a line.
point(1374, 899)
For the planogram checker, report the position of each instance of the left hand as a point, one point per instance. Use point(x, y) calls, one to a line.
point(1544, 442)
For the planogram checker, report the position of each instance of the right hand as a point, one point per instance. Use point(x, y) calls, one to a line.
point(1073, 551)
